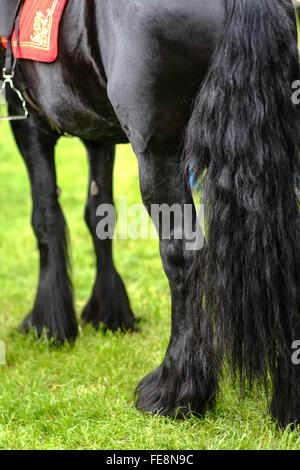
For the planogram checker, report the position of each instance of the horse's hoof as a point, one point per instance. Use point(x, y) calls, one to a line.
point(59, 333)
point(177, 389)
point(109, 307)
point(113, 318)
point(152, 397)
point(27, 323)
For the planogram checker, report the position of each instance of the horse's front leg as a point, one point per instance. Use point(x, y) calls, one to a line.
point(186, 381)
point(53, 307)
point(109, 304)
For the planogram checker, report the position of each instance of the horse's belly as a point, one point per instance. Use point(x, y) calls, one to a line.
point(77, 107)
point(95, 121)
point(90, 125)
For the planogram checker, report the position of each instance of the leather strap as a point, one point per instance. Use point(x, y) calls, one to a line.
point(14, 15)
point(8, 12)
point(10, 58)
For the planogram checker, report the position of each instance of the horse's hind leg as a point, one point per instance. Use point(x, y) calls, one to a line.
point(53, 307)
point(109, 304)
point(187, 379)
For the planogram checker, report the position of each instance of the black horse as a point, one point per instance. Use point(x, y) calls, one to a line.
point(194, 83)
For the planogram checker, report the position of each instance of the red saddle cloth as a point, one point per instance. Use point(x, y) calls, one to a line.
point(38, 30)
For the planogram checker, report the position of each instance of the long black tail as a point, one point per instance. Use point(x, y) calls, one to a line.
point(245, 124)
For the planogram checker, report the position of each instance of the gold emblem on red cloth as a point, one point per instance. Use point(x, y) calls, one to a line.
point(42, 26)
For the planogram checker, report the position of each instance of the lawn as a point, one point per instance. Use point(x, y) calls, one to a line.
point(81, 396)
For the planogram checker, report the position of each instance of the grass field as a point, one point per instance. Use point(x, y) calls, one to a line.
point(81, 397)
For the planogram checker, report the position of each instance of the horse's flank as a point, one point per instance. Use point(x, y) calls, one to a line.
point(152, 53)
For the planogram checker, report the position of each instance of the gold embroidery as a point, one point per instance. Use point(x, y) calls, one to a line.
point(42, 27)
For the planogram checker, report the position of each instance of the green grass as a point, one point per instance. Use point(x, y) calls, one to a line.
point(81, 397)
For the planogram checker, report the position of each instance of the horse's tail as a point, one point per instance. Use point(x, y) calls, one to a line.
point(244, 125)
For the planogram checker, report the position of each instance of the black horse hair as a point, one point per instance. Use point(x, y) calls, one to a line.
point(244, 130)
